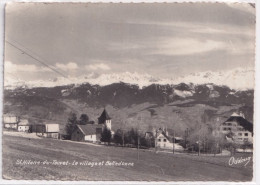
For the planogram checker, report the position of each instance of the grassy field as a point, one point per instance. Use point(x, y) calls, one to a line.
point(149, 167)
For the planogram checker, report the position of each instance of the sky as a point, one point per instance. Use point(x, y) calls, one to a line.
point(165, 40)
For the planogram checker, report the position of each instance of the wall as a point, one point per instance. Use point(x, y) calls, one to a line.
point(92, 138)
point(77, 135)
point(23, 128)
point(52, 127)
point(10, 119)
point(109, 124)
point(10, 125)
point(163, 142)
point(239, 132)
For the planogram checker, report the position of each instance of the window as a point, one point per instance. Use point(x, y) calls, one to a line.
point(240, 134)
point(224, 128)
point(246, 134)
point(245, 139)
point(229, 128)
point(241, 129)
point(229, 124)
point(159, 140)
point(164, 140)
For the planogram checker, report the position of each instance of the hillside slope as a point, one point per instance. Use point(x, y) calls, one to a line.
point(175, 106)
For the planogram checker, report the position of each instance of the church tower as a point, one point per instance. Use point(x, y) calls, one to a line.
point(105, 119)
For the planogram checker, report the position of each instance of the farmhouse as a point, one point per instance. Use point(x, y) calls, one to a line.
point(165, 141)
point(89, 132)
point(237, 128)
point(92, 132)
point(23, 125)
point(10, 121)
point(49, 130)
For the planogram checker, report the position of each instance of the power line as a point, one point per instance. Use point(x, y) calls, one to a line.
point(32, 53)
point(41, 62)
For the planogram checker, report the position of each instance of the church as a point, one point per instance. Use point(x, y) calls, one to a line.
point(92, 132)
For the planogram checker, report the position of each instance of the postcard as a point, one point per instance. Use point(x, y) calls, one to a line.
point(147, 92)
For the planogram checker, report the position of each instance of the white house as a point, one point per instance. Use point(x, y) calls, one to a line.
point(23, 125)
point(52, 130)
point(165, 141)
point(10, 121)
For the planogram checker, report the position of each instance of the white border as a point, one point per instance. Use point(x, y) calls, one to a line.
point(256, 176)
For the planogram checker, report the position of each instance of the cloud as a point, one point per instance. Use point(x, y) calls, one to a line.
point(67, 67)
point(98, 66)
point(10, 67)
point(186, 46)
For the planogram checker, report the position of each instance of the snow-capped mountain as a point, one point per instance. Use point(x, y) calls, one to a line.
point(239, 79)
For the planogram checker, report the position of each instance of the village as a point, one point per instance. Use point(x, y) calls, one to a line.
point(233, 135)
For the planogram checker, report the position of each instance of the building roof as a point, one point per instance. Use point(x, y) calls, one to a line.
point(23, 122)
point(235, 115)
point(10, 115)
point(104, 116)
point(241, 121)
point(89, 129)
point(167, 137)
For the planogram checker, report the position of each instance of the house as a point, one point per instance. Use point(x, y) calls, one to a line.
point(237, 128)
point(10, 121)
point(49, 130)
point(89, 132)
point(52, 130)
point(165, 141)
point(23, 125)
point(92, 132)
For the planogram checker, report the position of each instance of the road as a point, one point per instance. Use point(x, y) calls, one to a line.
point(150, 167)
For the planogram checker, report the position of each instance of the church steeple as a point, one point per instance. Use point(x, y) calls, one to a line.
point(105, 119)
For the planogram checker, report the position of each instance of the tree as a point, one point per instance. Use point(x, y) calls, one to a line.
point(83, 120)
point(71, 124)
point(106, 135)
point(118, 137)
point(133, 136)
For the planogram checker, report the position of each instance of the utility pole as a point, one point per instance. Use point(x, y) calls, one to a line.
point(173, 142)
point(199, 141)
point(155, 141)
point(138, 142)
point(123, 138)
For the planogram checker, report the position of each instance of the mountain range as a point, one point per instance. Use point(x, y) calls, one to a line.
point(177, 106)
point(238, 79)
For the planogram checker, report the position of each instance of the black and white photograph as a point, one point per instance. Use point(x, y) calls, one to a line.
point(147, 92)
